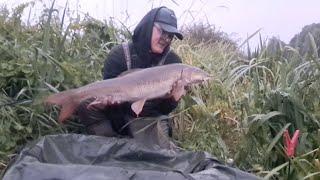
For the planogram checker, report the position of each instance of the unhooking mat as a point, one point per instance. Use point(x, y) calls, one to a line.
point(84, 157)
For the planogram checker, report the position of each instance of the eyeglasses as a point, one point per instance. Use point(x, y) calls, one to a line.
point(166, 36)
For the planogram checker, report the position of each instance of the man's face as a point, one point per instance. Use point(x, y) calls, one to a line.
point(160, 39)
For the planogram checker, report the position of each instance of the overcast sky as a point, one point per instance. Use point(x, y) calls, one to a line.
point(238, 18)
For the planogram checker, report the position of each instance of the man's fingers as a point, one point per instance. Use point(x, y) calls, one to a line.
point(178, 90)
point(102, 102)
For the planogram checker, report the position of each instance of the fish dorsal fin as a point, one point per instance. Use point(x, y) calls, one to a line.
point(137, 106)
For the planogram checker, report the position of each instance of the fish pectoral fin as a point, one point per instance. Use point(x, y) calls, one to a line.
point(178, 90)
point(137, 106)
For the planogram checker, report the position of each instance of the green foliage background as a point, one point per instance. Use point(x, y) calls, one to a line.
point(241, 114)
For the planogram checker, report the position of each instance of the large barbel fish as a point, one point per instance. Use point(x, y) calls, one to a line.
point(135, 87)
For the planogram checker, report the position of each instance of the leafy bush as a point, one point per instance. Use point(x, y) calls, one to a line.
point(36, 59)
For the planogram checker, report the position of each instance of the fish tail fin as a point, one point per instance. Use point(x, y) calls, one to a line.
point(67, 102)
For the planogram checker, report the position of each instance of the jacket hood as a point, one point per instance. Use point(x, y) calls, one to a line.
point(142, 39)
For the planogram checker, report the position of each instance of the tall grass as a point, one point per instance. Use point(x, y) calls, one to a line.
point(38, 59)
point(259, 95)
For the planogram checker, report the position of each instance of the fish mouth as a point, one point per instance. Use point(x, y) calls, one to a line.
point(202, 80)
point(206, 80)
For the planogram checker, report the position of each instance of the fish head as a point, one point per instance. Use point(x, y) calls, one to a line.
point(194, 75)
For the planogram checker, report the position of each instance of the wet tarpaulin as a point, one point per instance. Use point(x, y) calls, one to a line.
point(83, 157)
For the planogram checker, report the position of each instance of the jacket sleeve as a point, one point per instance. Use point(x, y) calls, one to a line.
point(157, 107)
point(115, 63)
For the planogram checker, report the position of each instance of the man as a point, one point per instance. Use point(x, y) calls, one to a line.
point(150, 46)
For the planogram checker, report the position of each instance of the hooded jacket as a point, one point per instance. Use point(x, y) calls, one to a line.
point(141, 57)
point(140, 50)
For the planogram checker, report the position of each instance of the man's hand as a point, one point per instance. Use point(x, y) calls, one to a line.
point(178, 90)
point(102, 102)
